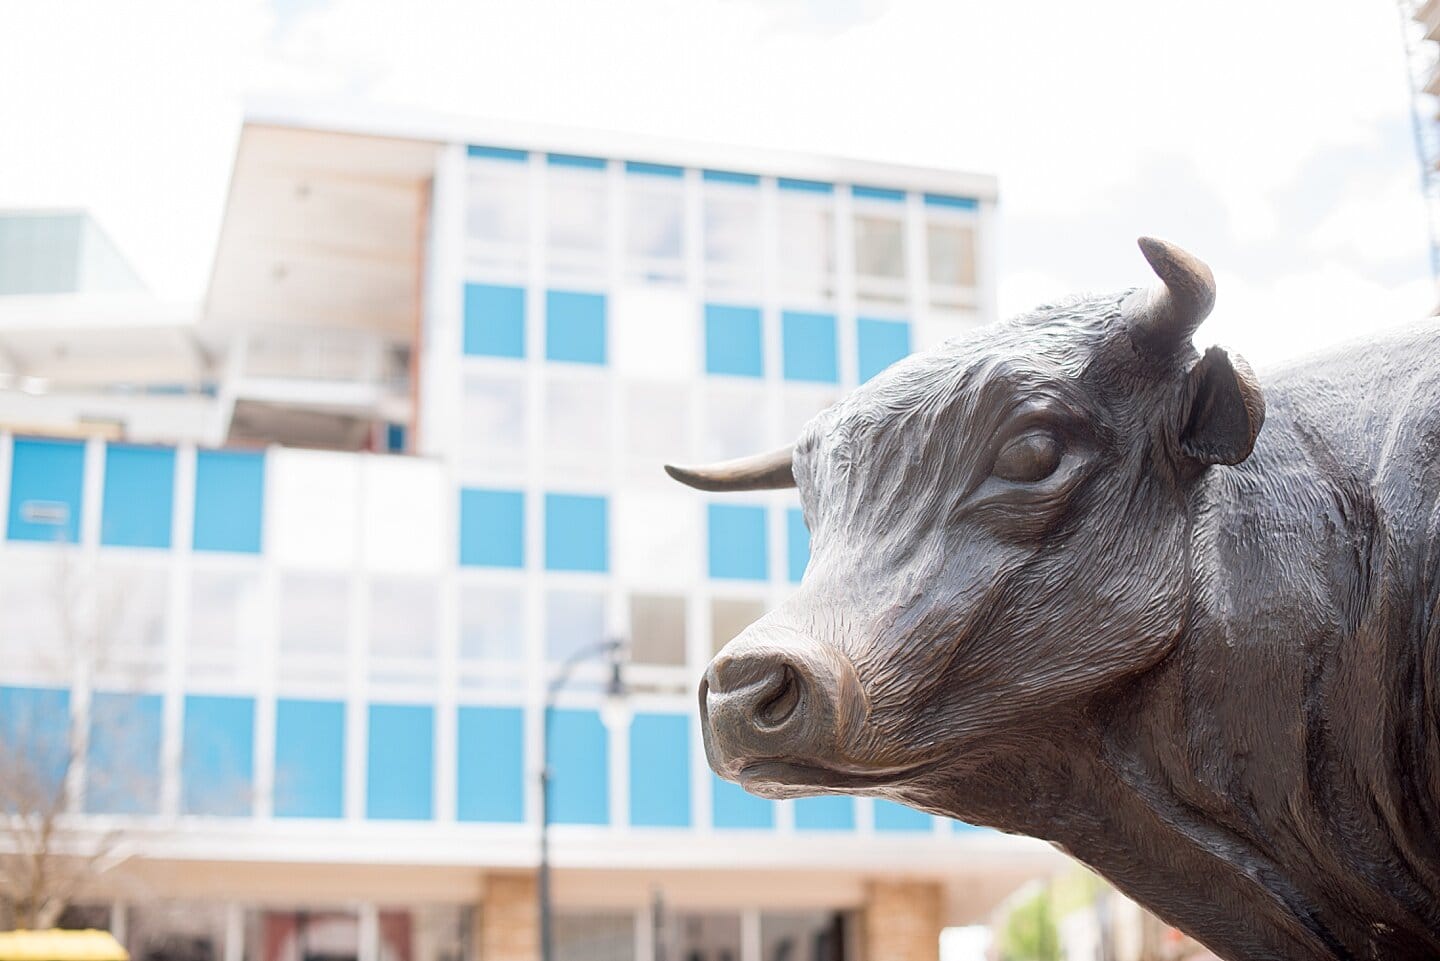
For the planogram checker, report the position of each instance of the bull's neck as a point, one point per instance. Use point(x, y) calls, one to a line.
point(1264, 787)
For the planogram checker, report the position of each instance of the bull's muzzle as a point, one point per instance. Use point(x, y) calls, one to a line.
point(777, 710)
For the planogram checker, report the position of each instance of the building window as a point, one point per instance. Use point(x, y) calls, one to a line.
point(404, 641)
point(826, 813)
point(493, 423)
point(497, 210)
point(735, 421)
point(400, 763)
point(807, 241)
point(654, 222)
point(731, 806)
point(729, 617)
point(809, 347)
point(595, 936)
point(802, 936)
point(309, 935)
point(881, 343)
point(132, 609)
point(890, 816)
point(309, 758)
point(580, 760)
point(314, 619)
point(797, 544)
point(733, 341)
point(217, 767)
point(573, 620)
point(578, 422)
point(734, 235)
point(657, 428)
point(738, 546)
point(229, 500)
point(492, 528)
point(175, 931)
point(35, 736)
point(577, 533)
point(660, 770)
point(139, 487)
point(577, 217)
point(490, 776)
point(492, 623)
point(122, 770)
point(494, 321)
point(38, 601)
point(879, 251)
point(575, 327)
point(657, 629)
point(46, 480)
point(950, 250)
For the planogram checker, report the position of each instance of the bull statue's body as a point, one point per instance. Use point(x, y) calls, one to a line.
point(1063, 584)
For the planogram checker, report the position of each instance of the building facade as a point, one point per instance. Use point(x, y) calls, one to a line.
point(299, 647)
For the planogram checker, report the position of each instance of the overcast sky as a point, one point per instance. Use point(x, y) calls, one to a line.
point(1272, 139)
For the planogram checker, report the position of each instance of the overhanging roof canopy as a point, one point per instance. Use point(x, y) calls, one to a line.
point(322, 229)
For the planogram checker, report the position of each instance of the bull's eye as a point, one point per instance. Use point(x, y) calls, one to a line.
point(1028, 458)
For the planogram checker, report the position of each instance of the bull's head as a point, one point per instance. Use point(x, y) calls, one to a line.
point(998, 535)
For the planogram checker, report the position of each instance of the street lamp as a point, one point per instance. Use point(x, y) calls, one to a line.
point(613, 713)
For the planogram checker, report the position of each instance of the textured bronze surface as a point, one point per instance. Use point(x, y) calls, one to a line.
point(1063, 584)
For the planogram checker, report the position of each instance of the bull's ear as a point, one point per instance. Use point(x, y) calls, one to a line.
point(1224, 411)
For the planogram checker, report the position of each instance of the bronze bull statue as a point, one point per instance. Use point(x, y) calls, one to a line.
point(1062, 584)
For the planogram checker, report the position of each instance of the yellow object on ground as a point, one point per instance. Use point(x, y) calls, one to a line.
point(57, 945)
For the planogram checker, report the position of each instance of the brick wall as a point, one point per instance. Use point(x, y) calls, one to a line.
point(901, 921)
point(510, 919)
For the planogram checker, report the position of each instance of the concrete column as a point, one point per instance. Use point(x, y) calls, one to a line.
point(510, 918)
point(901, 921)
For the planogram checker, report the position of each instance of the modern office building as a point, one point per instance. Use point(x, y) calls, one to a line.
point(303, 624)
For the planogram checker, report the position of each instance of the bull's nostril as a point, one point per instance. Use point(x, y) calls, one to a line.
point(776, 709)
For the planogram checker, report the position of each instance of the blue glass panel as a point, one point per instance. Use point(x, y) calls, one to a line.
point(827, 813)
point(229, 500)
point(890, 816)
point(35, 723)
point(395, 438)
point(809, 186)
point(497, 153)
point(494, 321)
point(881, 343)
point(877, 193)
point(809, 342)
point(574, 160)
point(309, 759)
point(731, 806)
point(731, 177)
point(653, 170)
point(490, 775)
point(46, 479)
point(737, 542)
point(732, 341)
point(797, 543)
point(946, 200)
point(217, 767)
point(580, 768)
point(400, 769)
point(122, 770)
point(575, 326)
point(660, 770)
point(492, 528)
point(139, 486)
point(577, 533)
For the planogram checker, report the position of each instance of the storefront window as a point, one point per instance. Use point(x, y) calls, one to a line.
point(802, 936)
point(595, 936)
point(175, 931)
point(302, 936)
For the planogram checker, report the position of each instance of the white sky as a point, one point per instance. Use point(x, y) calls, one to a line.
point(1272, 139)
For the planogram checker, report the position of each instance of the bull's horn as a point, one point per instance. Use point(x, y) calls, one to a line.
point(1164, 317)
point(758, 472)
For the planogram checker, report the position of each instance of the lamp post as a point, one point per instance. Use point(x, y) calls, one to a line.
point(611, 650)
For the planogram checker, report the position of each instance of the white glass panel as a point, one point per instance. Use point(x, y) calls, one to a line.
point(127, 635)
point(880, 258)
point(227, 620)
point(596, 936)
point(950, 250)
point(497, 213)
point(404, 512)
point(655, 537)
point(576, 217)
point(492, 427)
point(655, 333)
point(734, 249)
point(403, 618)
point(314, 616)
point(657, 429)
point(35, 595)
point(735, 422)
point(577, 426)
point(807, 248)
point(657, 629)
point(313, 508)
point(492, 623)
point(803, 403)
point(654, 227)
point(573, 620)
